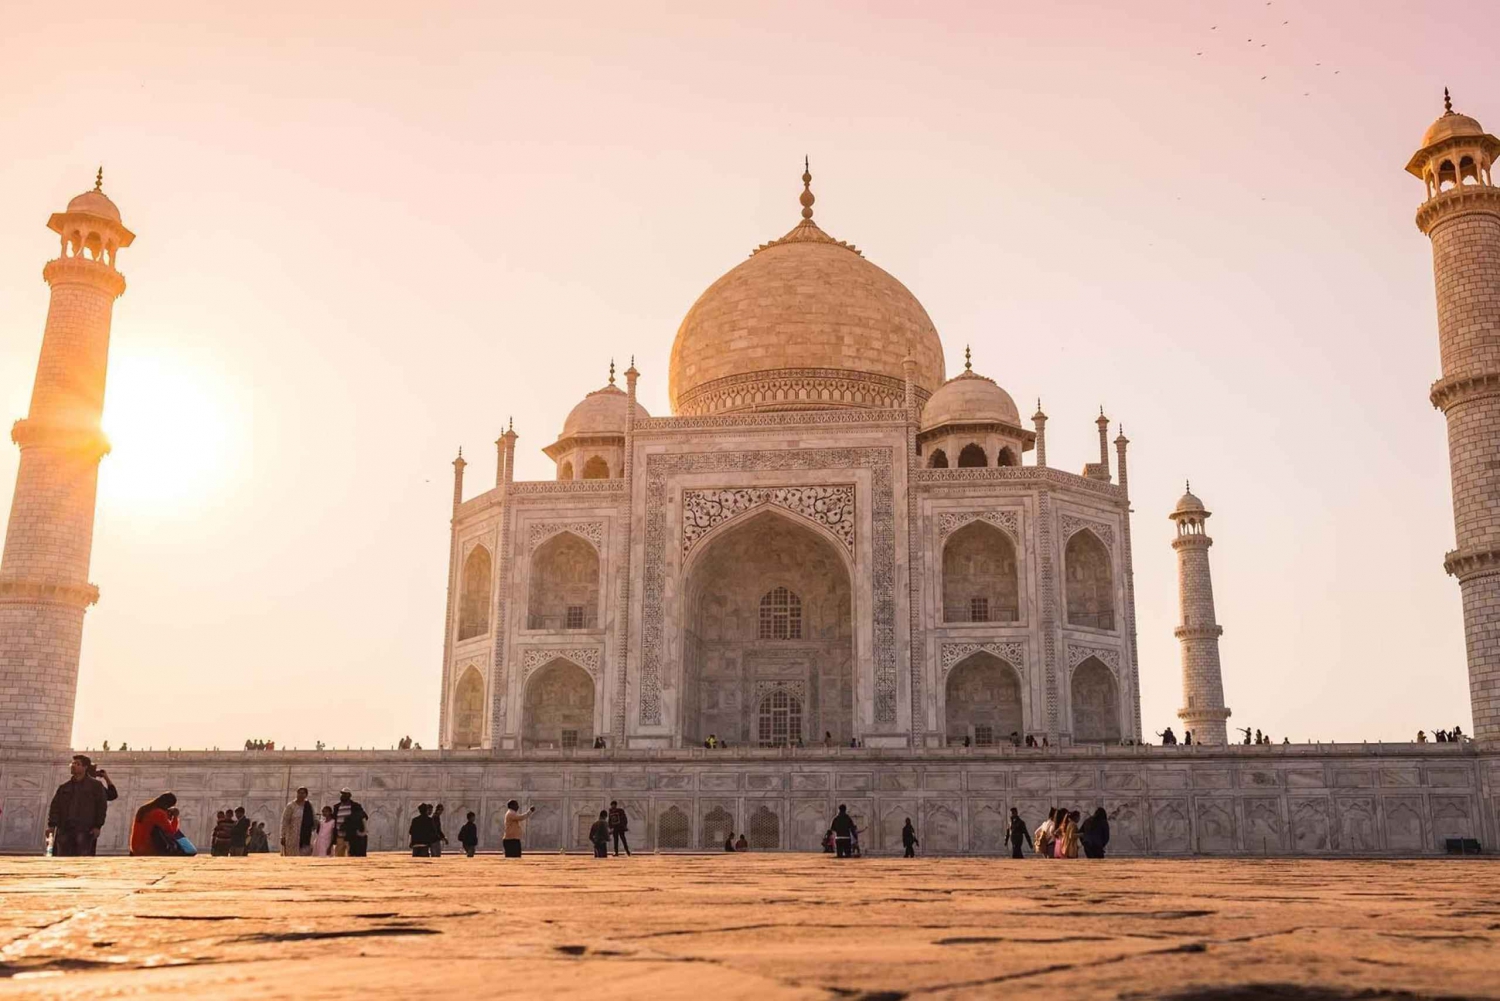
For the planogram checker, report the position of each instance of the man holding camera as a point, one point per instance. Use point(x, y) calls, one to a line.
point(78, 808)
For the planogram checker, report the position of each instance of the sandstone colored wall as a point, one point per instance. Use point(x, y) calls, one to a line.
point(1278, 800)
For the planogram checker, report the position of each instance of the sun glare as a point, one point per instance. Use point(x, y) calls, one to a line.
point(175, 432)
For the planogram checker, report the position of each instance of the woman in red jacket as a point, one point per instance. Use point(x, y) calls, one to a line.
point(154, 829)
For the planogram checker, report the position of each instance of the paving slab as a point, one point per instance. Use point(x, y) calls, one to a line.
point(726, 927)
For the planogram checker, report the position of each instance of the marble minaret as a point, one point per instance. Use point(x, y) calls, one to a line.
point(1461, 215)
point(44, 575)
point(1203, 709)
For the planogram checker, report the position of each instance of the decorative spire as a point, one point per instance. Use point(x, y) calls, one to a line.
point(1447, 102)
point(968, 361)
point(611, 371)
point(1187, 486)
point(807, 195)
point(99, 177)
point(510, 424)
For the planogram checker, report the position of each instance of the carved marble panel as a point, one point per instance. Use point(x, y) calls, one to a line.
point(950, 521)
point(832, 507)
point(539, 656)
point(539, 532)
point(1216, 825)
point(1312, 829)
point(1170, 829)
point(1013, 653)
point(1069, 524)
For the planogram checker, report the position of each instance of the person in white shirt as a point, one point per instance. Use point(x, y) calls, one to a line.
point(514, 821)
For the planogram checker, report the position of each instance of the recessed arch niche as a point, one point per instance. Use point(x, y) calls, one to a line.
point(558, 707)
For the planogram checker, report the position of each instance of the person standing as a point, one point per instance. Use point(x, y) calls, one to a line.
point(219, 841)
point(1017, 835)
point(619, 823)
point(239, 833)
point(322, 841)
point(515, 822)
point(843, 833)
point(259, 842)
point(297, 823)
point(1042, 843)
point(468, 835)
point(78, 808)
point(740, 844)
point(437, 830)
point(599, 835)
point(349, 826)
point(909, 839)
point(422, 832)
point(1095, 834)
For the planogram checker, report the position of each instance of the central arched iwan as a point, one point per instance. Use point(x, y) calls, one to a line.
point(982, 700)
point(768, 605)
point(564, 584)
point(981, 582)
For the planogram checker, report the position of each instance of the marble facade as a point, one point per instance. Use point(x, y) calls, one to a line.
point(1277, 800)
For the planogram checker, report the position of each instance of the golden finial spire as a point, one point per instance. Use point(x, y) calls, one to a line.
point(99, 177)
point(968, 364)
point(807, 195)
point(1447, 102)
point(1187, 486)
point(611, 371)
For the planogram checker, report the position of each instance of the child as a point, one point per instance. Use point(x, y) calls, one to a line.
point(468, 836)
point(599, 835)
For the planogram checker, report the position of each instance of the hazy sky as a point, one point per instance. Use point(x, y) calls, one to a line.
point(368, 233)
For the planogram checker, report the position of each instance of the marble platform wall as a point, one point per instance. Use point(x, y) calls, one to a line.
point(1279, 800)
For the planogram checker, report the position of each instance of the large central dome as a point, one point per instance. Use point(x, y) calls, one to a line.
point(805, 323)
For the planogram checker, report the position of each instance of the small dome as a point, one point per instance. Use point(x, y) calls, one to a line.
point(601, 412)
point(969, 398)
point(1189, 504)
point(95, 203)
point(1450, 125)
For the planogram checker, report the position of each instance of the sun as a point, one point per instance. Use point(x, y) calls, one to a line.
point(176, 430)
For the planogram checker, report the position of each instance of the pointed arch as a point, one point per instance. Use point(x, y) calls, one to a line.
point(1006, 457)
point(564, 586)
point(565, 471)
point(475, 593)
point(981, 578)
point(1095, 703)
point(938, 460)
point(557, 708)
point(1090, 581)
point(972, 457)
point(982, 700)
point(596, 468)
point(468, 710)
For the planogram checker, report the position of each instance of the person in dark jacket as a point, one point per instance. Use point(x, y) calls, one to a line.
point(239, 834)
point(78, 809)
point(843, 833)
point(437, 829)
point(618, 825)
point(422, 831)
point(468, 836)
point(909, 839)
point(599, 835)
point(350, 837)
point(1094, 833)
point(219, 840)
point(1018, 835)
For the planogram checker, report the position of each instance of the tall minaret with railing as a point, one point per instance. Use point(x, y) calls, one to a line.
point(1461, 215)
point(44, 574)
point(1202, 710)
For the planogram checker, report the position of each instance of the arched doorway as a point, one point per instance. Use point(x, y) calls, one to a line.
point(769, 616)
point(468, 710)
point(558, 709)
point(474, 595)
point(564, 584)
point(938, 459)
point(980, 578)
point(982, 700)
point(1090, 591)
point(1096, 703)
point(972, 457)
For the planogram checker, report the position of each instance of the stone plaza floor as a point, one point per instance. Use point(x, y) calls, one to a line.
point(723, 927)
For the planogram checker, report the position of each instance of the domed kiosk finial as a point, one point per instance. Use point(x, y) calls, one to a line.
point(807, 198)
point(99, 180)
point(968, 360)
point(611, 371)
point(1447, 102)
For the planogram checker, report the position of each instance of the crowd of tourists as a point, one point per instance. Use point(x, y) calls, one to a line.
point(260, 745)
point(1453, 736)
point(1063, 834)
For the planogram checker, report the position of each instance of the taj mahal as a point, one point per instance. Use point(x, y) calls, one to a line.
point(827, 543)
point(832, 574)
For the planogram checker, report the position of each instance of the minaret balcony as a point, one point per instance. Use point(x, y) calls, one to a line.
point(1460, 200)
point(1198, 632)
point(1478, 561)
